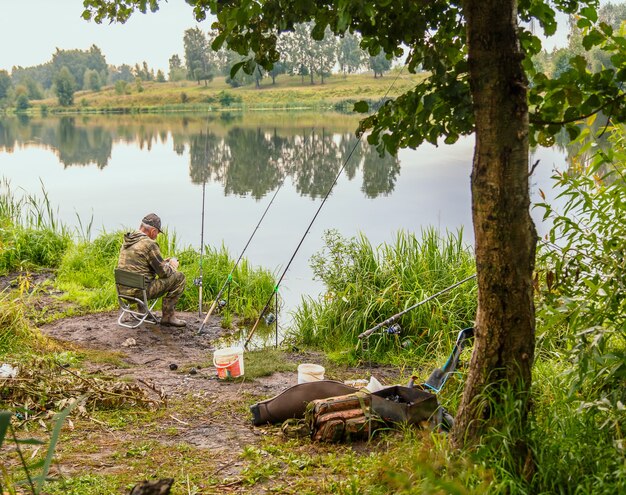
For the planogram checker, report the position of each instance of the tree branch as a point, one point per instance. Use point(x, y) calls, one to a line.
point(578, 117)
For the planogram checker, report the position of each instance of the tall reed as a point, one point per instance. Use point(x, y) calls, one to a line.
point(30, 235)
point(366, 285)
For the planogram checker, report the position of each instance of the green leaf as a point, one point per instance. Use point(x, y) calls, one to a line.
point(607, 29)
point(249, 66)
point(579, 63)
point(590, 13)
point(235, 68)
point(343, 20)
point(218, 41)
point(361, 107)
point(571, 113)
point(54, 438)
point(594, 38)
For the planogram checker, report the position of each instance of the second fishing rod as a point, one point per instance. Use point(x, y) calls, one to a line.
point(229, 278)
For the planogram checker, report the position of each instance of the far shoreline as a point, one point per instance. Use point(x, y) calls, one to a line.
point(338, 94)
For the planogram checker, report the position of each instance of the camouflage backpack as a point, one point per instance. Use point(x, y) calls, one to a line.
point(343, 418)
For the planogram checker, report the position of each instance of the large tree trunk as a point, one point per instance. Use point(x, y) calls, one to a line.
point(505, 237)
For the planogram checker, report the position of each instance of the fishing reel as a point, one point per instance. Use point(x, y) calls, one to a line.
point(221, 303)
point(394, 329)
point(197, 281)
point(269, 318)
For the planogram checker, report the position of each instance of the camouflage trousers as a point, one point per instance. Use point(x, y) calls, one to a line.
point(170, 288)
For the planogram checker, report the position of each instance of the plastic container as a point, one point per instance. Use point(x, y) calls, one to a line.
point(229, 362)
point(310, 373)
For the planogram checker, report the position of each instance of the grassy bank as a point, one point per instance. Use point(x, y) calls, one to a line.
point(31, 241)
point(574, 434)
point(289, 93)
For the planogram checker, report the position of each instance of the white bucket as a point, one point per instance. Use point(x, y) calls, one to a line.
point(229, 362)
point(310, 373)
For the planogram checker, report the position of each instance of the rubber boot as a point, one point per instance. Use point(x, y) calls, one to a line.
point(169, 318)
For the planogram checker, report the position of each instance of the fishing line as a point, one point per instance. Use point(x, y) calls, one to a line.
point(306, 232)
point(229, 278)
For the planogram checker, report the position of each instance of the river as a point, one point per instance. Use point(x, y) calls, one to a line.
point(112, 170)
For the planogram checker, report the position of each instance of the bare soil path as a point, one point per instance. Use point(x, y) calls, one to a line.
point(208, 414)
point(148, 354)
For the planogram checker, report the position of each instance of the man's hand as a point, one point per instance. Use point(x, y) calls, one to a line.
point(173, 262)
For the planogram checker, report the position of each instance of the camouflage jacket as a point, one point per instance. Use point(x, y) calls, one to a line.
point(140, 254)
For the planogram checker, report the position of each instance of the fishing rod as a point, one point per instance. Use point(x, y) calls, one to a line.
point(200, 275)
point(308, 229)
point(230, 275)
point(393, 318)
point(198, 281)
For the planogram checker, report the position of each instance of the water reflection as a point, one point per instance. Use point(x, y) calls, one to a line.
point(244, 160)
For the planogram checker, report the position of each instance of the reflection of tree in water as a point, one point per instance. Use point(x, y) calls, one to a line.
point(245, 161)
point(19, 130)
point(255, 161)
point(347, 144)
point(75, 145)
point(8, 137)
point(82, 145)
point(379, 173)
point(322, 155)
point(208, 154)
point(316, 163)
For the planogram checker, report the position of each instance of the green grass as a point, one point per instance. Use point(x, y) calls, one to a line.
point(32, 239)
point(366, 285)
point(16, 334)
point(265, 363)
point(30, 235)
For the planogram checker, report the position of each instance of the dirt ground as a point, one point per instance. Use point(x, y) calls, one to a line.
point(223, 423)
point(149, 350)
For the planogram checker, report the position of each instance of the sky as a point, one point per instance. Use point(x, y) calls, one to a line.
point(31, 30)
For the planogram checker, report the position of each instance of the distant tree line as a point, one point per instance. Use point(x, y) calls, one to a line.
point(311, 60)
point(71, 70)
point(67, 72)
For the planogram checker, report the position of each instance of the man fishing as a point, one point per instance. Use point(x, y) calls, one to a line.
point(141, 254)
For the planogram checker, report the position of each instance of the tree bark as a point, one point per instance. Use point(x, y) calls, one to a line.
point(505, 237)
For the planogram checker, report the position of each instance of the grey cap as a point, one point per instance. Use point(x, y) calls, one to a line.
point(153, 220)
